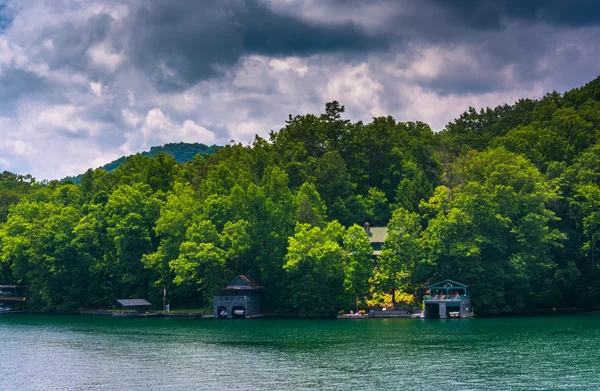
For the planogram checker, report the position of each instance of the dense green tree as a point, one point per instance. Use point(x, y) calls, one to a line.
point(314, 270)
point(505, 199)
point(497, 233)
point(37, 243)
point(310, 208)
point(375, 207)
point(358, 264)
point(12, 188)
point(396, 264)
point(201, 261)
point(131, 214)
point(586, 201)
point(177, 214)
point(334, 186)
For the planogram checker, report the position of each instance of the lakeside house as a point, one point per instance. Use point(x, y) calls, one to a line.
point(241, 299)
point(377, 236)
point(448, 298)
point(12, 298)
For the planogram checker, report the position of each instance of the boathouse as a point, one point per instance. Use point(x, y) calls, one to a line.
point(12, 298)
point(447, 299)
point(241, 299)
point(133, 307)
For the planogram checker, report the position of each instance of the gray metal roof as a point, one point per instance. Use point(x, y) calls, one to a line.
point(133, 302)
point(377, 234)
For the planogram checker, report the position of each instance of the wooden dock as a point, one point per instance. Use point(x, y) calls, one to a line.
point(382, 315)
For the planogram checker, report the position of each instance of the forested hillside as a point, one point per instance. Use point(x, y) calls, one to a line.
point(506, 200)
point(182, 152)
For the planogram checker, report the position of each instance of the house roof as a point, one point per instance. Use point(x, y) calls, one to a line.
point(133, 302)
point(452, 283)
point(377, 234)
point(243, 282)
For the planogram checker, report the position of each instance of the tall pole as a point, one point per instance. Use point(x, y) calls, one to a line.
point(593, 246)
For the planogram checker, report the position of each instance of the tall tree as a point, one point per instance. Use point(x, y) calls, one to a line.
point(314, 270)
point(358, 264)
point(400, 253)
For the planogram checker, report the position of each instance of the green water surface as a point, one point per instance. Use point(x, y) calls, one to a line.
point(99, 353)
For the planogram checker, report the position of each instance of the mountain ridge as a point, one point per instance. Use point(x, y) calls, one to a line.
point(182, 152)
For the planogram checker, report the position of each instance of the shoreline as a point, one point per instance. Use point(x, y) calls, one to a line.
point(376, 315)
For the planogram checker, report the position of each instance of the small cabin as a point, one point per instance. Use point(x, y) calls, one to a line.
point(12, 298)
point(448, 299)
point(241, 299)
point(377, 236)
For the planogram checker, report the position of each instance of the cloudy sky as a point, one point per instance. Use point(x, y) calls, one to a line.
point(83, 82)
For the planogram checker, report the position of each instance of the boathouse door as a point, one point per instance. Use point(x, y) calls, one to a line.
point(432, 310)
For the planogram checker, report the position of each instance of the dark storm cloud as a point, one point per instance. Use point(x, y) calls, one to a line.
point(178, 43)
point(73, 41)
point(489, 14)
point(17, 82)
point(503, 42)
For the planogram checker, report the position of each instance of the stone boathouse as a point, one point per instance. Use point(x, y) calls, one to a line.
point(241, 299)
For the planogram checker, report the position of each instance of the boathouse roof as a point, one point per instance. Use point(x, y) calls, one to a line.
point(451, 283)
point(243, 282)
point(133, 302)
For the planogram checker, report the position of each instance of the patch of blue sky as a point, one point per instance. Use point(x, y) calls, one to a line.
point(5, 16)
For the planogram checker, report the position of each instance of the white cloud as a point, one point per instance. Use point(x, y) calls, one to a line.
point(130, 98)
point(357, 87)
point(289, 64)
point(195, 133)
point(101, 55)
point(157, 129)
point(49, 44)
point(11, 53)
point(96, 88)
point(131, 118)
point(157, 121)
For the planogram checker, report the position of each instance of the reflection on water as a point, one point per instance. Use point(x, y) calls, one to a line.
point(96, 353)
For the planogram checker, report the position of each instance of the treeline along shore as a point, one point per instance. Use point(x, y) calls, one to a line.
point(506, 200)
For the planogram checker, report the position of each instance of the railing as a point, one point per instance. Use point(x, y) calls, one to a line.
point(231, 299)
point(8, 295)
point(446, 297)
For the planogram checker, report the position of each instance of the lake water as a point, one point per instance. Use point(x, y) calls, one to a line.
point(98, 353)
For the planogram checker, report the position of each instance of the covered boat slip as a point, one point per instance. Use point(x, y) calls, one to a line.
point(12, 298)
point(448, 299)
point(132, 308)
